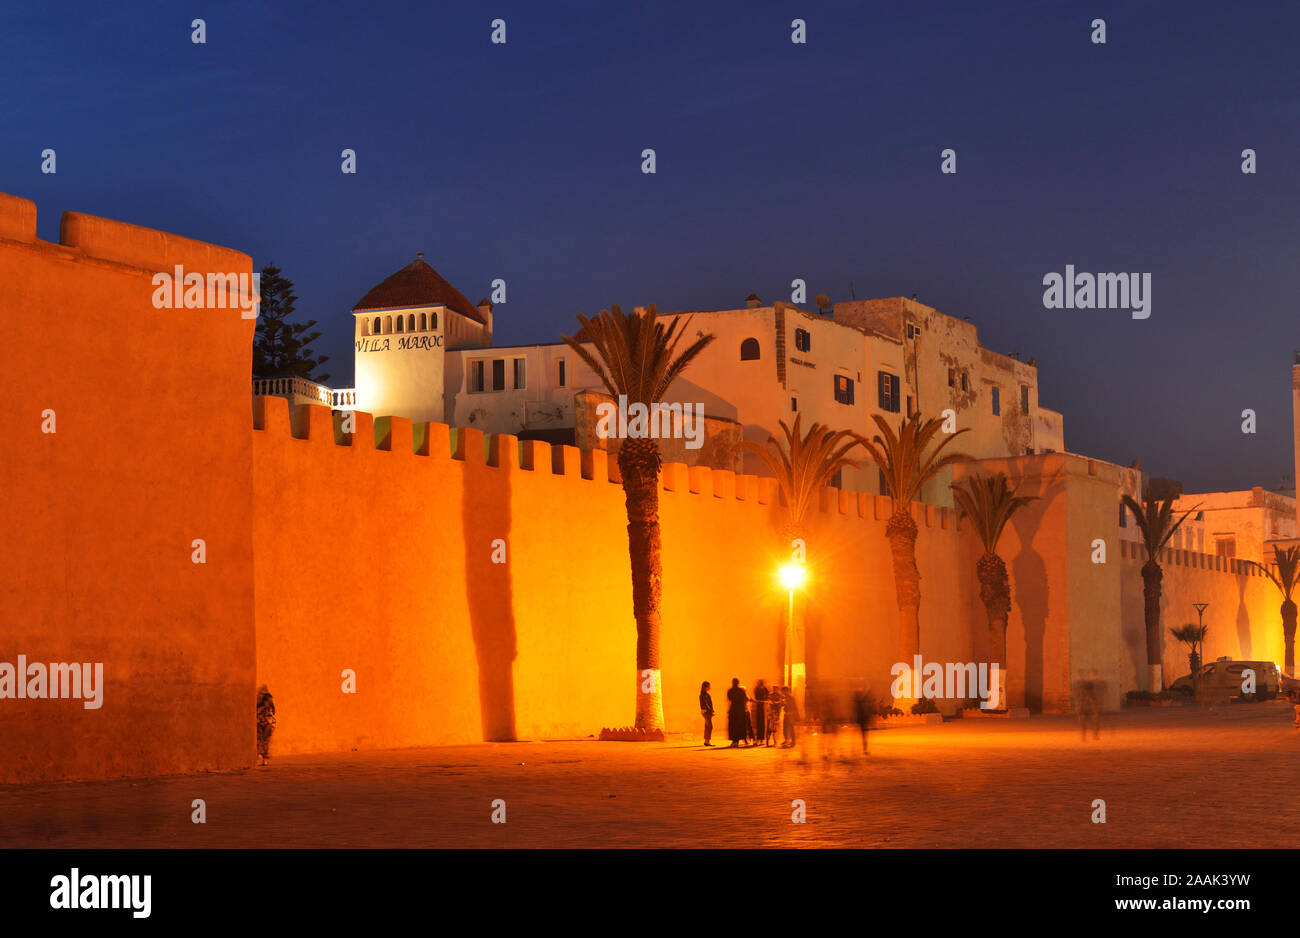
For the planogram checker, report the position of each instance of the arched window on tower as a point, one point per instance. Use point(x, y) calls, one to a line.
point(375, 330)
point(388, 323)
point(399, 323)
point(424, 320)
point(433, 320)
point(410, 325)
point(749, 350)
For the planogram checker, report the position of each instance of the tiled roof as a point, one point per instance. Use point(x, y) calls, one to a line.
point(415, 285)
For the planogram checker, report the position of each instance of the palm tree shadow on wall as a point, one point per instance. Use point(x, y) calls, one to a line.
point(1031, 597)
point(485, 514)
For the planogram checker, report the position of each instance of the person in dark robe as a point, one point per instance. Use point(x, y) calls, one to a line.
point(761, 695)
point(737, 713)
point(265, 724)
point(706, 710)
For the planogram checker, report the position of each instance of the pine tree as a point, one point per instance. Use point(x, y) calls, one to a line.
point(281, 348)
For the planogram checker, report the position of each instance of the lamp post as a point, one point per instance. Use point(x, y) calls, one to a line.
point(1198, 648)
point(793, 577)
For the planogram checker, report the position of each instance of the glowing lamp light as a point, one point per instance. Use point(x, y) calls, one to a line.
point(793, 576)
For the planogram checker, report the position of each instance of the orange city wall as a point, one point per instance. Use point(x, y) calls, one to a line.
point(378, 559)
point(150, 450)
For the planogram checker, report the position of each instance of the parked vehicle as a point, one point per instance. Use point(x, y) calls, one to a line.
point(1225, 677)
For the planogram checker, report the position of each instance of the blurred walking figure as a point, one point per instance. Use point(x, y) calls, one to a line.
point(265, 724)
point(1088, 695)
point(774, 703)
point(706, 710)
point(864, 704)
point(761, 695)
point(829, 717)
point(737, 713)
point(789, 717)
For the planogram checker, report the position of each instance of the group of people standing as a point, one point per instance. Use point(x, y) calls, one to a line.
point(754, 720)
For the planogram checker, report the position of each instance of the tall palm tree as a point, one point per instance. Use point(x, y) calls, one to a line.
point(803, 466)
point(1155, 519)
point(637, 359)
point(1286, 579)
point(989, 502)
point(1193, 636)
point(908, 462)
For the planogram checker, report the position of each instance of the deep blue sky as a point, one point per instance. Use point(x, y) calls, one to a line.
point(775, 161)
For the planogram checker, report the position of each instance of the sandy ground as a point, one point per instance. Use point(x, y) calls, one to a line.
point(1169, 778)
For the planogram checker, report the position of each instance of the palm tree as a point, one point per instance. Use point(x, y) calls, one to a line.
point(803, 466)
point(1193, 636)
point(1286, 579)
point(1155, 519)
point(636, 358)
point(989, 502)
point(908, 462)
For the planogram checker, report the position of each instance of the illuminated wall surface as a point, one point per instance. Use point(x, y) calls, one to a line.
point(374, 552)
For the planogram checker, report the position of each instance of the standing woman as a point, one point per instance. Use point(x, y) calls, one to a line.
point(737, 714)
point(760, 711)
point(706, 710)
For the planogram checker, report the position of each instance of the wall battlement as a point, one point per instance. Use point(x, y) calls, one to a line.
point(116, 242)
point(1180, 557)
point(319, 424)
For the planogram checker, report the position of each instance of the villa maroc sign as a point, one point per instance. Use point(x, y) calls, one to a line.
point(404, 342)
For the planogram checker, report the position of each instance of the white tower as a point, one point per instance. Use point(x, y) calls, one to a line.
point(403, 327)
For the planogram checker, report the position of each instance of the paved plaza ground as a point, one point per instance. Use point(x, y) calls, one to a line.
point(1170, 778)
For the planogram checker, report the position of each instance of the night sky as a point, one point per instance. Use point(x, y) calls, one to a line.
point(775, 161)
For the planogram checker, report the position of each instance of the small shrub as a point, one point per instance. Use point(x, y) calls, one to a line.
point(925, 705)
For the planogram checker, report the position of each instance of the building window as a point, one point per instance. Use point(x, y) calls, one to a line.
point(498, 374)
point(424, 322)
point(913, 331)
point(1123, 515)
point(887, 387)
point(410, 326)
point(844, 389)
point(476, 373)
point(794, 403)
point(375, 329)
point(952, 377)
point(1225, 546)
point(909, 405)
point(997, 400)
point(433, 320)
point(520, 366)
point(965, 383)
point(561, 376)
point(802, 340)
point(749, 350)
point(399, 323)
point(1024, 398)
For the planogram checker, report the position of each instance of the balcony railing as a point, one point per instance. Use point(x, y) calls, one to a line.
point(301, 387)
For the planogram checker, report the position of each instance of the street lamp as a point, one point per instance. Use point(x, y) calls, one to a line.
point(793, 577)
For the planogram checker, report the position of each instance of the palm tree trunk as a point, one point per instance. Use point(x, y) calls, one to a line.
point(1151, 578)
point(995, 592)
point(638, 463)
point(901, 531)
point(1288, 635)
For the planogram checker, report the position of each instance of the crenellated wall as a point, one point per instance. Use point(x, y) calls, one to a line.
point(379, 558)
